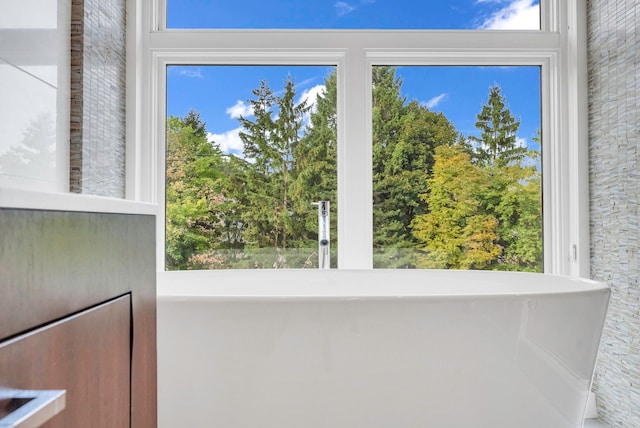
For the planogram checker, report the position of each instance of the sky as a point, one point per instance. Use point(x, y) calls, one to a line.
point(398, 14)
point(221, 93)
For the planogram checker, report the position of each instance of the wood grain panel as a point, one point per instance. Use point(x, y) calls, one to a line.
point(87, 355)
point(55, 263)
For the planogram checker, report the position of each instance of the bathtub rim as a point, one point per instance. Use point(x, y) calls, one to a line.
point(343, 283)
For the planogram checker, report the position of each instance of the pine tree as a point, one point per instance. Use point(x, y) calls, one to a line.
point(269, 145)
point(315, 159)
point(513, 193)
point(497, 143)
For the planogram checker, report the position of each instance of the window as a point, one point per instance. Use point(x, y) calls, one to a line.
point(554, 52)
point(241, 186)
point(456, 168)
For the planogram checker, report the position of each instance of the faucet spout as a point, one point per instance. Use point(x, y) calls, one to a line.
point(324, 241)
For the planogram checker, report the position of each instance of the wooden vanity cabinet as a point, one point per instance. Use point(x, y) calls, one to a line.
point(87, 355)
point(77, 313)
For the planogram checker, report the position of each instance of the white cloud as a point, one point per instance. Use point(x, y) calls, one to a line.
point(518, 15)
point(187, 71)
point(229, 142)
point(305, 82)
point(344, 8)
point(240, 109)
point(311, 96)
point(433, 102)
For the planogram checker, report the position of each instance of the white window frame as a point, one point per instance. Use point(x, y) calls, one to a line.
point(559, 49)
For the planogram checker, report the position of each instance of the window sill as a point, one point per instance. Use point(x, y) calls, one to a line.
point(26, 199)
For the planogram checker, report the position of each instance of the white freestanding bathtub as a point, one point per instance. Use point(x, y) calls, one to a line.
point(377, 348)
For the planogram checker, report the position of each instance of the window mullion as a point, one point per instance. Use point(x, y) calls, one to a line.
point(355, 221)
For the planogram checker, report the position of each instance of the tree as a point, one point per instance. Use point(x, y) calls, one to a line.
point(440, 200)
point(497, 143)
point(519, 211)
point(315, 160)
point(269, 144)
point(404, 138)
point(456, 233)
point(411, 160)
point(194, 195)
point(512, 194)
point(387, 115)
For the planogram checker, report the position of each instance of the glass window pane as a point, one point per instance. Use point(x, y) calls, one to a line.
point(356, 14)
point(250, 149)
point(457, 168)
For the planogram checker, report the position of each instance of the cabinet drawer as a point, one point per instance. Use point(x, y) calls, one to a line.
point(87, 354)
point(57, 263)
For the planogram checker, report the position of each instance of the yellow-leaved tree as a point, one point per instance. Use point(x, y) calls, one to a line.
point(455, 233)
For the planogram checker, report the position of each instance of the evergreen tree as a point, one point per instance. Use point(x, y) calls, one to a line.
point(269, 145)
point(387, 115)
point(497, 143)
point(193, 120)
point(412, 160)
point(404, 138)
point(232, 226)
point(519, 212)
point(315, 159)
point(512, 194)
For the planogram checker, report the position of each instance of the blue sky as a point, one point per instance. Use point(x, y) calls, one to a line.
point(220, 93)
point(406, 14)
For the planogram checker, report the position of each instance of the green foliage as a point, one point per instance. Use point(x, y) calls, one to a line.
point(513, 196)
point(440, 200)
point(405, 136)
point(497, 143)
point(194, 184)
point(315, 159)
point(519, 212)
point(270, 143)
point(484, 200)
point(455, 234)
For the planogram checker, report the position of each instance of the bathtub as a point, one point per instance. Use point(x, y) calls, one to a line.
point(377, 348)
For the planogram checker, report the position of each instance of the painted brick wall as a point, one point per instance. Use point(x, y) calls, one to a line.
point(98, 97)
point(614, 114)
